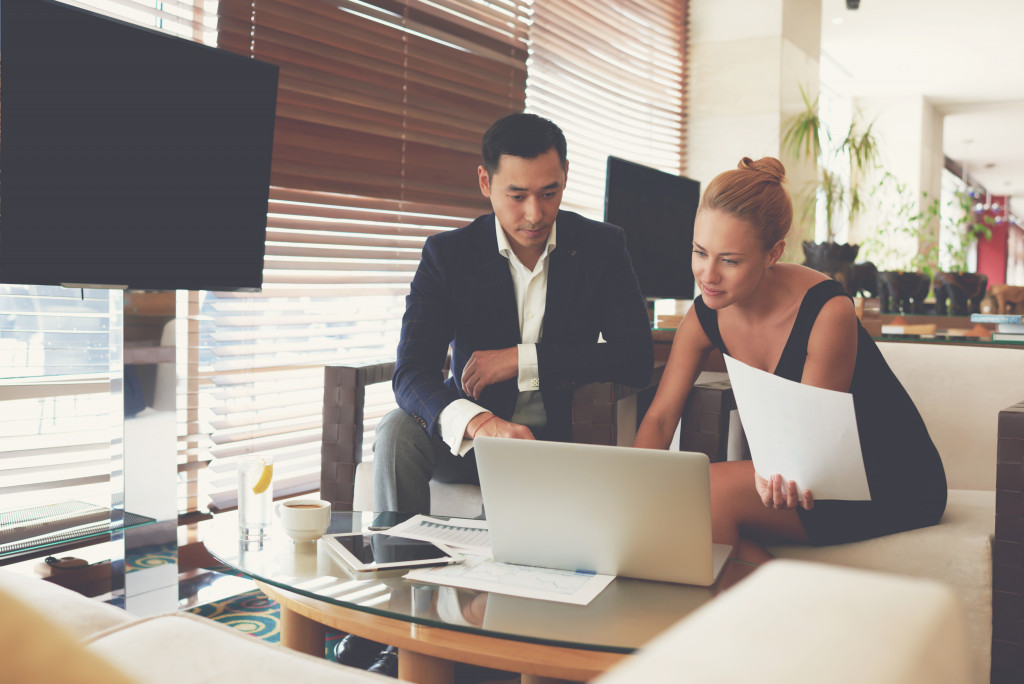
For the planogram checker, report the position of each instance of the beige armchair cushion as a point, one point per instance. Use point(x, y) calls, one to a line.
point(794, 622)
point(34, 648)
point(76, 614)
point(182, 647)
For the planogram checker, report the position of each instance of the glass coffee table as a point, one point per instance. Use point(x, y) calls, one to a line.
point(435, 626)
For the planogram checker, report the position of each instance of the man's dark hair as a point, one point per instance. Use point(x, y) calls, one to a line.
point(521, 135)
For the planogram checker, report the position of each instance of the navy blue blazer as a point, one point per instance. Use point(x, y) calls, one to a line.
point(462, 296)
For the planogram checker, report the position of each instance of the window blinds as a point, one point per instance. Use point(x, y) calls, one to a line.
point(611, 74)
point(381, 107)
point(60, 394)
point(60, 349)
point(380, 111)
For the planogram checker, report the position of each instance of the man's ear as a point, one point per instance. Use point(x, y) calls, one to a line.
point(485, 181)
point(566, 173)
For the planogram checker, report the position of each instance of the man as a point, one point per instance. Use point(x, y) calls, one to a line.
point(520, 297)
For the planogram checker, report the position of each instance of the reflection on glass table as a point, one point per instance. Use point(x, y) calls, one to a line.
point(31, 531)
point(627, 614)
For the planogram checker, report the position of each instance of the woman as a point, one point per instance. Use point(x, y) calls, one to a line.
point(798, 324)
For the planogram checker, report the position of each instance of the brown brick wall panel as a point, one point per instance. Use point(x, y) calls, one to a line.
point(1008, 550)
point(1006, 667)
point(1009, 503)
point(1006, 578)
point(1007, 553)
point(597, 392)
point(593, 412)
point(1010, 450)
point(1010, 477)
point(1006, 612)
point(352, 397)
point(1009, 527)
point(593, 434)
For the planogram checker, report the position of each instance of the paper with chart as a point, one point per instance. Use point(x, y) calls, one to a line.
point(484, 574)
point(462, 534)
point(803, 433)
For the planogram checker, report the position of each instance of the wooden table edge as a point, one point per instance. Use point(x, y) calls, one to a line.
point(503, 654)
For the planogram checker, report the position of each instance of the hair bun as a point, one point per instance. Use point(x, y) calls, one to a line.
point(766, 165)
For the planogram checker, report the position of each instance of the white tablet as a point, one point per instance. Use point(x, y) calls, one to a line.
point(380, 551)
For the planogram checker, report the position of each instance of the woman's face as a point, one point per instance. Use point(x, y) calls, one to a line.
point(728, 259)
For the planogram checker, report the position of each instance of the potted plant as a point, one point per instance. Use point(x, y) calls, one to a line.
point(841, 165)
point(905, 242)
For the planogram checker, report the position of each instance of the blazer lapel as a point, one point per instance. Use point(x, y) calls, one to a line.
point(496, 288)
point(562, 276)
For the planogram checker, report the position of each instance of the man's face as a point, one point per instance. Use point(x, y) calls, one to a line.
point(525, 195)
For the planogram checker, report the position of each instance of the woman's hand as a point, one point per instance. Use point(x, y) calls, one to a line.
point(779, 494)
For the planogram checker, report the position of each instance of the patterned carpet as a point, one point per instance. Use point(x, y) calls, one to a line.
point(251, 612)
point(255, 614)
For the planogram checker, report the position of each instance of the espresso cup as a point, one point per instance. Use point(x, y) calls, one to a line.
point(304, 520)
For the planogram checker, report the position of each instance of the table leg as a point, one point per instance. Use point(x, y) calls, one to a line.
point(302, 634)
point(423, 669)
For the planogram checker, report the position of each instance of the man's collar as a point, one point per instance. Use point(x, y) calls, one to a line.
point(505, 249)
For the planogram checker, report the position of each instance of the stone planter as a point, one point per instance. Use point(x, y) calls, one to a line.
point(902, 291)
point(962, 291)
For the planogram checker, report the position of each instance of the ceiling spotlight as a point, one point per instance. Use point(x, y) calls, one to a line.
point(852, 4)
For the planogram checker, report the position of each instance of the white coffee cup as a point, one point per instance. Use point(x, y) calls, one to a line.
point(304, 520)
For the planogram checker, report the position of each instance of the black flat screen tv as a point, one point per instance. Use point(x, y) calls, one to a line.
point(129, 157)
point(656, 210)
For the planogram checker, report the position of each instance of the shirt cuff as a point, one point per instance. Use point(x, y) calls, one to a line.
point(529, 373)
point(454, 418)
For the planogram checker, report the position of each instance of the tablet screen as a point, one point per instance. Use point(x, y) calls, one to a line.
point(381, 550)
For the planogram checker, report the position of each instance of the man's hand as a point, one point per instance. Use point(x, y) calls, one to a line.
point(488, 367)
point(489, 425)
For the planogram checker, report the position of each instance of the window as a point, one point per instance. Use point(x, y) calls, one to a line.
point(381, 106)
point(60, 394)
point(611, 75)
point(61, 351)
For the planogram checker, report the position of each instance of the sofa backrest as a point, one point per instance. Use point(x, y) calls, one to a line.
point(960, 390)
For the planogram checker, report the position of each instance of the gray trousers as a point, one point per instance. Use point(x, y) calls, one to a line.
point(406, 458)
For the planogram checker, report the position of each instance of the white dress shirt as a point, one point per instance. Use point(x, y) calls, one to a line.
point(531, 290)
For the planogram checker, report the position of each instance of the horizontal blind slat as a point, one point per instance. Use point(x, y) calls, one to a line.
point(381, 107)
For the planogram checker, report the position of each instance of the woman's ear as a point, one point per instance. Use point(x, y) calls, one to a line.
point(775, 253)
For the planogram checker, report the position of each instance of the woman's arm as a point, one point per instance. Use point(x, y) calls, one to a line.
point(832, 347)
point(690, 349)
point(831, 357)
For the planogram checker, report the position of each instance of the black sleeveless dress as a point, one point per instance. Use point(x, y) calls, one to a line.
point(904, 472)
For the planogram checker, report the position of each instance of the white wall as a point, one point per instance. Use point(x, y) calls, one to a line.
point(747, 63)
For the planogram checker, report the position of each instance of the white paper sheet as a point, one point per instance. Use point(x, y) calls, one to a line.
point(462, 534)
point(803, 433)
point(484, 574)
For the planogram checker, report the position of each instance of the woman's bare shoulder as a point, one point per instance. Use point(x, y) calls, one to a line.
point(801, 276)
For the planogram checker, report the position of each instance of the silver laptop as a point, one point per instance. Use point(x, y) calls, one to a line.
point(641, 513)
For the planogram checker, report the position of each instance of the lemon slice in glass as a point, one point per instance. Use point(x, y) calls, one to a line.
point(265, 477)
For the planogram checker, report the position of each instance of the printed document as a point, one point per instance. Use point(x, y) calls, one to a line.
point(484, 574)
point(806, 434)
point(462, 534)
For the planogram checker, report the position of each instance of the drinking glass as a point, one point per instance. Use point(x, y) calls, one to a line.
point(255, 497)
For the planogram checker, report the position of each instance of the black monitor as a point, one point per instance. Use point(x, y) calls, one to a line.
point(657, 210)
point(129, 157)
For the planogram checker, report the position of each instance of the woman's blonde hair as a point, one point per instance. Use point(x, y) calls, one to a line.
point(754, 193)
